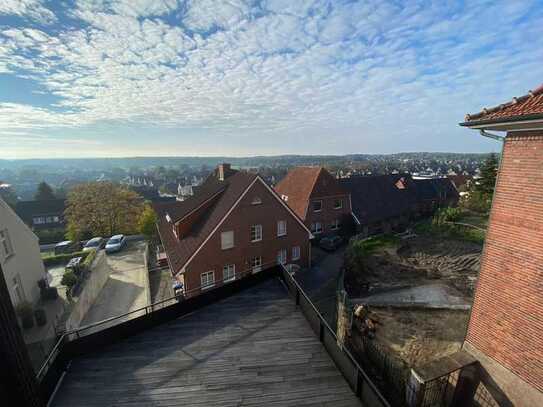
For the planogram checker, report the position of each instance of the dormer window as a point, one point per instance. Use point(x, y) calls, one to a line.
point(400, 184)
point(284, 198)
point(168, 218)
point(256, 201)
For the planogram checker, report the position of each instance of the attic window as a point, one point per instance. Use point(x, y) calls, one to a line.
point(284, 198)
point(168, 218)
point(256, 201)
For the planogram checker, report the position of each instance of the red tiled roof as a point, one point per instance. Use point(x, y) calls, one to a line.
point(180, 251)
point(526, 105)
point(297, 186)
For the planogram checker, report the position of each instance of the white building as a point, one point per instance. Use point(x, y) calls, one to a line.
point(20, 257)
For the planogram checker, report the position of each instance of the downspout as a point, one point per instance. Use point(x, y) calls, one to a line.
point(492, 136)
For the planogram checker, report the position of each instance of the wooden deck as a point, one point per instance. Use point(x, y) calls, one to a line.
point(252, 349)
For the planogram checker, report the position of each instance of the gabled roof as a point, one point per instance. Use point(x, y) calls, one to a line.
point(222, 194)
point(379, 197)
point(435, 189)
point(304, 183)
point(26, 210)
point(527, 107)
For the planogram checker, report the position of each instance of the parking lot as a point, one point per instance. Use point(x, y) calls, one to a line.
point(127, 287)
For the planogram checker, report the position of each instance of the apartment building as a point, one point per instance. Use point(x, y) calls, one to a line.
point(20, 257)
point(234, 226)
point(506, 324)
point(317, 198)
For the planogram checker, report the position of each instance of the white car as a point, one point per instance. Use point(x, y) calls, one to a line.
point(115, 243)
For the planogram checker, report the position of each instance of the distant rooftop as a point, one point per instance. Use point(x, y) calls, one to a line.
point(251, 349)
point(526, 107)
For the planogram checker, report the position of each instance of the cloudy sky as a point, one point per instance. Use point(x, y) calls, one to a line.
point(246, 77)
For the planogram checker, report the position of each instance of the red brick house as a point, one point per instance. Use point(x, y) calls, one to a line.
point(506, 326)
point(317, 198)
point(234, 226)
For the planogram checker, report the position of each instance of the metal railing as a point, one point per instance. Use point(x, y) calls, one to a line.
point(357, 378)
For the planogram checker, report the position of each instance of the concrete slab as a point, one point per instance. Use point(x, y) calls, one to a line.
point(127, 288)
point(439, 296)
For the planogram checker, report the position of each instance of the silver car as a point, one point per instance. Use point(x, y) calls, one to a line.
point(115, 244)
point(96, 243)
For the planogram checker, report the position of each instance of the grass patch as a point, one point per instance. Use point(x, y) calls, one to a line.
point(450, 231)
point(361, 249)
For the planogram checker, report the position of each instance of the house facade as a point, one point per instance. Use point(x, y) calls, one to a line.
point(505, 330)
point(318, 199)
point(236, 225)
point(20, 257)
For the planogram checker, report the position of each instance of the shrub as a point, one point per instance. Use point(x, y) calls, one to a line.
point(25, 312)
point(54, 260)
point(447, 215)
point(69, 279)
point(50, 236)
point(89, 259)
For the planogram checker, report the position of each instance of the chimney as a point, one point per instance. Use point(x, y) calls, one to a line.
point(223, 171)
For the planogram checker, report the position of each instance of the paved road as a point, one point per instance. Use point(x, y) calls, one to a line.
point(320, 282)
point(127, 288)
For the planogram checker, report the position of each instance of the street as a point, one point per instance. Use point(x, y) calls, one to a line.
point(126, 289)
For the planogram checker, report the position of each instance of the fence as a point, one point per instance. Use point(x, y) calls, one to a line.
point(357, 378)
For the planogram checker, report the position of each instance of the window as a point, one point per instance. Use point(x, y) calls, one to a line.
point(38, 220)
point(256, 201)
point(256, 264)
point(282, 256)
point(19, 295)
point(256, 233)
point(335, 224)
point(6, 248)
point(296, 253)
point(282, 228)
point(316, 228)
point(229, 272)
point(338, 204)
point(284, 198)
point(317, 206)
point(207, 280)
point(227, 240)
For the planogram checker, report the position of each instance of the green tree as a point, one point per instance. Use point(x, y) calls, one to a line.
point(45, 192)
point(147, 222)
point(102, 209)
point(489, 171)
point(8, 195)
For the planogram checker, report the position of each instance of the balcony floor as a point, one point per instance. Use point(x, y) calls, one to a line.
point(252, 349)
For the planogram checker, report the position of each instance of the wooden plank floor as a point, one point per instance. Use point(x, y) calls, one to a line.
point(252, 349)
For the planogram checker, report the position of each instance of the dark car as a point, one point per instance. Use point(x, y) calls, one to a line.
point(68, 246)
point(330, 243)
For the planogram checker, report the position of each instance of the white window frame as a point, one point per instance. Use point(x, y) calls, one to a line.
point(205, 282)
point(256, 233)
point(256, 264)
point(39, 220)
point(256, 201)
point(281, 228)
point(313, 206)
point(340, 204)
point(335, 225)
point(6, 246)
point(225, 243)
point(296, 253)
point(282, 256)
point(228, 268)
point(314, 228)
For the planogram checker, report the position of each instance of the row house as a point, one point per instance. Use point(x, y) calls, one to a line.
point(318, 199)
point(235, 225)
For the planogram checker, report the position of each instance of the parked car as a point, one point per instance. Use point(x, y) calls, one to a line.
point(68, 246)
point(115, 243)
point(96, 243)
point(330, 243)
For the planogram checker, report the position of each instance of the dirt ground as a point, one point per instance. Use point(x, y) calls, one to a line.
point(418, 336)
point(417, 261)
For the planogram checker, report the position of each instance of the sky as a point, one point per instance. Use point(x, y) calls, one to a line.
point(88, 78)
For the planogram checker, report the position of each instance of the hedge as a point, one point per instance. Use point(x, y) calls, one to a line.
point(63, 258)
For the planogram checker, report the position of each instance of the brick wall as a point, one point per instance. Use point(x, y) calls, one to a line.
point(267, 214)
point(507, 318)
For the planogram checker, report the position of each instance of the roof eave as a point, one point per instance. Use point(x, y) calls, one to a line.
point(506, 123)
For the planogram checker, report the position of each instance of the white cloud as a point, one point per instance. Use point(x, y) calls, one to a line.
point(33, 9)
point(281, 68)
